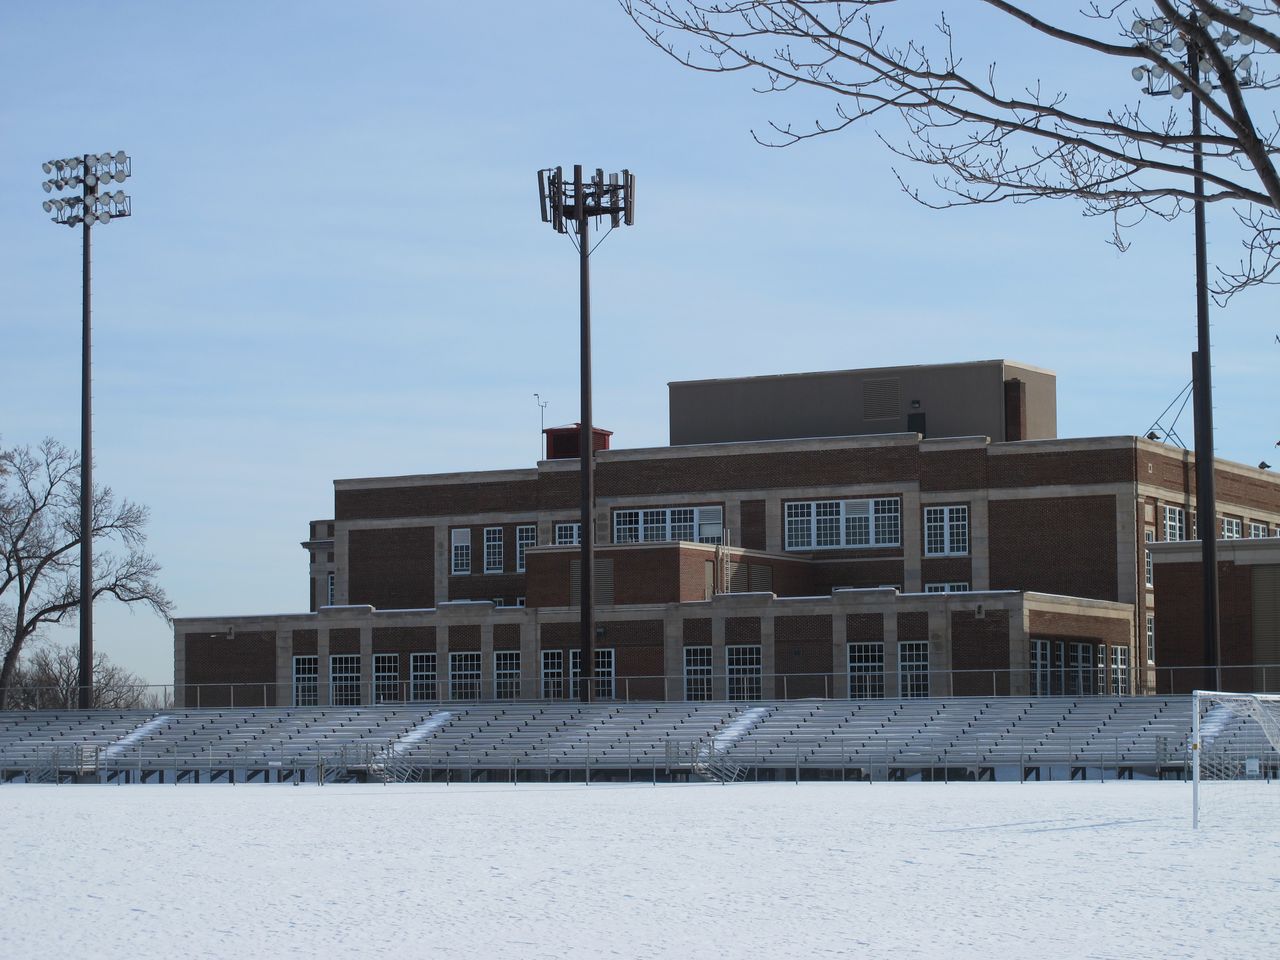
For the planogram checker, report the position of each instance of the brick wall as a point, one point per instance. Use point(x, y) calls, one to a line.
point(981, 646)
point(404, 641)
point(1179, 632)
point(437, 500)
point(215, 661)
point(864, 627)
point(638, 658)
point(392, 568)
point(1062, 545)
point(464, 638)
point(802, 646)
point(752, 535)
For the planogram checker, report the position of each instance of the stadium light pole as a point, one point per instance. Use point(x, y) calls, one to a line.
point(93, 173)
point(1198, 66)
point(570, 206)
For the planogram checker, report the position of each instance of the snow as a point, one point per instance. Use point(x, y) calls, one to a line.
point(137, 735)
point(738, 729)
point(778, 870)
point(422, 731)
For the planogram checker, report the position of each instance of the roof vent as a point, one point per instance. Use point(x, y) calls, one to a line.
point(881, 399)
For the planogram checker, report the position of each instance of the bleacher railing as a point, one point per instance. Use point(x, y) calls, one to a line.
point(718, 686)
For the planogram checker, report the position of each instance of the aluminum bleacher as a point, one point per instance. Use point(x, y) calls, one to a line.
point(953, 738)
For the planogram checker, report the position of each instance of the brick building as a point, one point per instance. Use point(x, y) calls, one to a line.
point(1248, 611)
point(761, 556)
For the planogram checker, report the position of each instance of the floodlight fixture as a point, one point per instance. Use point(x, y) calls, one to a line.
point(86, 173)
point(571, 206)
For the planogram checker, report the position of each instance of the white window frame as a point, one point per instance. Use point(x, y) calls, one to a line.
point(602, 677)
point(492, 549)
point(422, 677)
point(526, 537)
point(1041, 671)
point(957, 587)
point(1232, 528)
point(568, 534)
point(946, 531)
point(744, 667)
point(1151, 638)
point(1100, 678)
point(866, 670)
point(913, 669)
point(1150, 537)
point(1080, 668)
point(460, 551)
point(344, 681)
point(332, 579)
point(1257, 531)
point(465, 671)
point(306, 680)
point(697, 673)
point(386, 678)
point(1174, 520)
point(553, 675)
point(506, 674)
point(864, 524)
point(1119, 671)
point(703, 524)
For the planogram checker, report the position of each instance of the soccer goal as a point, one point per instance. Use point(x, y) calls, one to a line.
point(1234, 737)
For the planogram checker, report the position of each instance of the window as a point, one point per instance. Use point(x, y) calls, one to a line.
point(461, 541)
point(1151, 570)
point(1232, 528)
point(330, 594)
point(422, 676)
point(913, 668)
point(506, 674)
point(1100, 679)
point(866, 671)
point(526, 537)
point(1151, 638)
point(601, 676)
point(464, 676)
point(946, 531)
point(306, 681)
point(344, 679)
point(1119, 671)
point(697, 524)
point(552, 674)
point(492, 549)
point(1040, 668)
point(843, 524)
point(697, 673)
point(1081, 667)
point(568, 534)
point(1257, 530)
point(1175, 523)
point(744, 671)
point(946, 588)
point(386, 677)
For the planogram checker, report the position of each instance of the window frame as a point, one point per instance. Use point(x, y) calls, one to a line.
point(460, 552)
point(814, 525)
point(1149, 536)
point(1151, 638)
point(307, 682)
point(466, 672)
point(1168, 515)
point(344, 684)
point(492, 549)
point(913, 669)
point(506, 674)
point(1232, 528)
point(952, 522)
point(865, 659)
point(744, 671)
point(659, 524)
point(958, 586)
point(422, 677)
point(697, 673)
point(386, 682)
point(568, 534)
point(526, 537)
point(551, 674)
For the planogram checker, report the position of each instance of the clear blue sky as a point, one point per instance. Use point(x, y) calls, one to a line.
point(335, 266)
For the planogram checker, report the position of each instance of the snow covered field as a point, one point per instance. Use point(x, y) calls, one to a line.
point(691, 871)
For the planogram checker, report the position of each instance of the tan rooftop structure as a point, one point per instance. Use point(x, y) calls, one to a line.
point(1000, 399)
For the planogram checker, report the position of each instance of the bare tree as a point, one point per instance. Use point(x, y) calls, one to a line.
point(39, 548)
point(48, 678)
point(991, 139)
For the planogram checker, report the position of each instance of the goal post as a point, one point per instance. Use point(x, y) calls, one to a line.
point(1234, 736)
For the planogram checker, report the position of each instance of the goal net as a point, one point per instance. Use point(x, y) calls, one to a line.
point(1235, 751)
